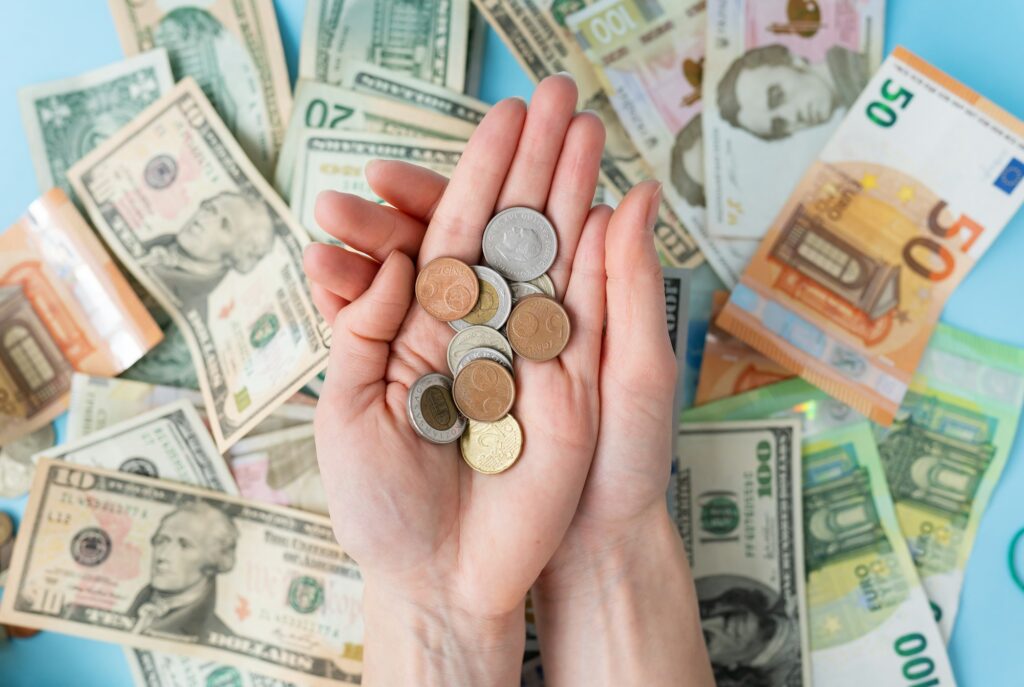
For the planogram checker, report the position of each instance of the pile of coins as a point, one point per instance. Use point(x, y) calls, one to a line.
point(502, 310)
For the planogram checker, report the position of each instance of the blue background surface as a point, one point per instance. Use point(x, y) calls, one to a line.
point(976, 41)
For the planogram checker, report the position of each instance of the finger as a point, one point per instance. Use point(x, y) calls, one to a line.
point(585, 295)
point(412, 189)
point(636, 289)
point(363, 332)
point(327, 303)
point(340, 271)
point(572, 190)
point(457, 226)
point(529, 178)
point(366, 226)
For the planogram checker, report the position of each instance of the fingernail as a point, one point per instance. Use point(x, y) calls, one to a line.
point(567, 75)
point(518, 97)
point(652, 213)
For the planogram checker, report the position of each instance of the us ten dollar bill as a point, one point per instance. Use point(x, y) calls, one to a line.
point(188, 214)
point(160, 566)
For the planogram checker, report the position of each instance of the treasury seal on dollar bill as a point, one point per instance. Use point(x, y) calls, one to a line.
point(520, 244)
point(432, 410)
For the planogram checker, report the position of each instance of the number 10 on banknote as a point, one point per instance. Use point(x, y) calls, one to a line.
point(851, 277)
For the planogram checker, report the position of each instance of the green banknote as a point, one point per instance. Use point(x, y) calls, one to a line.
point(946, 450)
point(372, 79)
point(867, 609)
point(66, 119)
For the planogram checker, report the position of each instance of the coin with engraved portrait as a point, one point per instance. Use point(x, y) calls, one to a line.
point(492, 447)
point(432, 411)
point(492, 306)
point(485, 354)
point(484, 391)
point(538, 328)
point(520, 243)
point(475, 337)
point(447, 289)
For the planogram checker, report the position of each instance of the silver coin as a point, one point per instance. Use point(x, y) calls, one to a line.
point(495, 300)
point(544, 283)
point(520, 244)
point(475, 337)
point(521, 289)
point(16, 466)
point(484, 354)
point(432, 411)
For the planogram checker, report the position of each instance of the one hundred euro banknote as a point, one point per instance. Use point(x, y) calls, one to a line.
point(779, 76)
point(867, 611)
point(194, 221)
point(912, 189)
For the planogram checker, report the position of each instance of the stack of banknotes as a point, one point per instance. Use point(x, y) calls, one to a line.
point(836, 445)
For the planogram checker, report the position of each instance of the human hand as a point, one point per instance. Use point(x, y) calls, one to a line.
point(446, 552)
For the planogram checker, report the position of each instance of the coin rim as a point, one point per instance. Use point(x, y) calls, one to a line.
point(510, 354)
point(512, 399)
point(464, 438)
point(460, 421)
point(503, 360)
point(568, 324)
point(416, 289)
point(504, 301)
point(522, 276)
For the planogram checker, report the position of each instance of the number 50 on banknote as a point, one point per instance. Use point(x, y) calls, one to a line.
point(851, 277)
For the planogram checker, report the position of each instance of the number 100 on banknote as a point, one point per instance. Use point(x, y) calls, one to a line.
point(916, 184)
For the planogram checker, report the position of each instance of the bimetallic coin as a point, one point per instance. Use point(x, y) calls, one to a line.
point(484, 391)
point(520, 244)
point(432, 411)
point(492, 447)
point(538, 328)
point(484, 354)
point(544, 283)
point(494, 304)
point(447, 289)
point(475, 337)
point(522, 289)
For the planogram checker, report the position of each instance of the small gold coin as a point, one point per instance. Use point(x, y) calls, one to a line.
point(492, 447)
point(447, 289)
point(538, 328)
point(484, 390)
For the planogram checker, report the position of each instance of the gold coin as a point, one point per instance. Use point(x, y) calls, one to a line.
point(492, 447)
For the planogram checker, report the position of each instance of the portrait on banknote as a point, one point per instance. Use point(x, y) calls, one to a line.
point(687, 170)
point(192, 545)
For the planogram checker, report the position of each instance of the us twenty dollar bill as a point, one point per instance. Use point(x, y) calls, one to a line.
point(738, 509)
point(426, 39)
point(102, 556)
point(536, 34)
point(232, 48)
point(187, 213)
point(65, 119)
point(867, 610)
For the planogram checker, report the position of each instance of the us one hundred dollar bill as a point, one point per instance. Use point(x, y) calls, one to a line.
point(912, 189)
point(232, 48)
point(65, 119)
point(335, 160)
point(867, 610)
point(738, 508)
point(778, 79)
point(425, 39)
point(193, 220)
point(123, 578)
point(536, 34)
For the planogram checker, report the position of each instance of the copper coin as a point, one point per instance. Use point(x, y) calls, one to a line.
point(447, 289)
point(538, 328)
point(484, 391)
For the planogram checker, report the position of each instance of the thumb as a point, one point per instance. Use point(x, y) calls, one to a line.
point(362, 336)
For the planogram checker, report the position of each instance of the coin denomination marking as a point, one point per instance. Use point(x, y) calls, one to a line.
point(484, 391)
point(447, 289)
point(538, 328)
point(492, 447)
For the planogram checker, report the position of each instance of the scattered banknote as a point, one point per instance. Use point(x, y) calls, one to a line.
point(98, 402)
point(677, 302)
point(946, 450)
point(866, 608)
point(335, 159)
point(280, 467)
point(739, 513)
point(729, 366)
point(16, 465)
point(65, 119)
point(63, 305)
point(778, 79)
point(100, 558)
point(913, 188)
point(232, 48)
point(372, 79)
point(649, 58)
point(426, 39)
point(537, 36)
point(158, 669)
point(197, 225)
point(476, 42)
point(703, 285)
point(320, 106)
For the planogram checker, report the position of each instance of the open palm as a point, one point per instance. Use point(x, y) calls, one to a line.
point(411, 513)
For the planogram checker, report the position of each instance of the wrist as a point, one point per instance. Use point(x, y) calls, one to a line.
point(433, 641)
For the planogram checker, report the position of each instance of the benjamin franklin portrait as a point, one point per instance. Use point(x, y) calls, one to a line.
point(772, 93)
